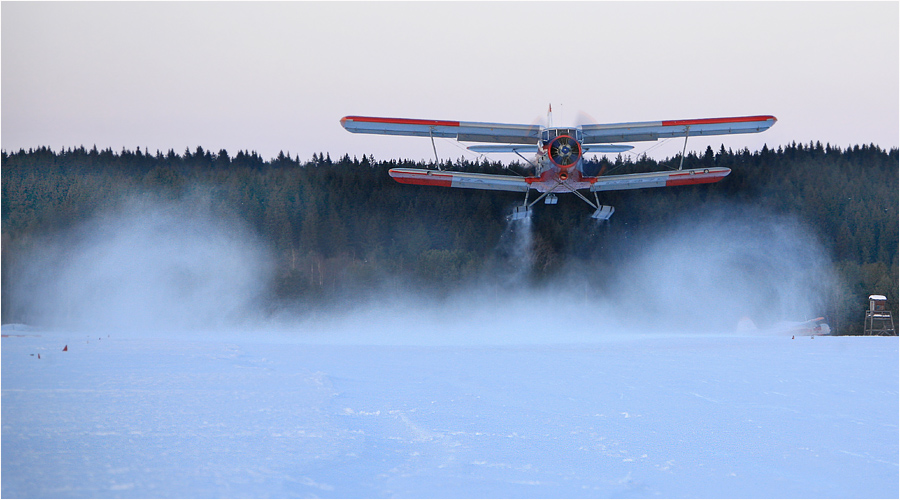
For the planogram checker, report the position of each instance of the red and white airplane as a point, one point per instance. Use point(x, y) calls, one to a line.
point(559, 151)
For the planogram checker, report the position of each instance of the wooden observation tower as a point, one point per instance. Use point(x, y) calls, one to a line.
point(879, 320)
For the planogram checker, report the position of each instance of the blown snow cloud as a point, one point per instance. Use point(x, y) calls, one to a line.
point(148, 264)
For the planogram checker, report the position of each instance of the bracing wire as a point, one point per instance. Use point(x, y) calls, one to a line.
point(656, 145)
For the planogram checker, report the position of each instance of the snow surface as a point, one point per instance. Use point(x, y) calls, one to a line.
point(276, 414)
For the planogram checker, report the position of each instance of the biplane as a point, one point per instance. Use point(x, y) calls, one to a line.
point(558, 159)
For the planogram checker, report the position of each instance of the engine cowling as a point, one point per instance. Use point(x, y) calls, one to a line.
point(564, 151)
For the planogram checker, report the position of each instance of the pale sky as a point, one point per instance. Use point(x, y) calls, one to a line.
point(279, 76)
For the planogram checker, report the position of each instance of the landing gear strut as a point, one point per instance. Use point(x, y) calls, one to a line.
point(523, 211)
point(601, 212)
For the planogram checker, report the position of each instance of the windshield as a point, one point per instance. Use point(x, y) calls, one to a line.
point(552, 133)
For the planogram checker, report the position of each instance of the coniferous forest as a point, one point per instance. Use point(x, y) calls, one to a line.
point(338, 225)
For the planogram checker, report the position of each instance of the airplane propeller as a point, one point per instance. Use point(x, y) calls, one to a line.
point(582, 118)
point(565, 151)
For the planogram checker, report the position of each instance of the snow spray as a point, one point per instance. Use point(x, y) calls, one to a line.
point(148, 263)
point(514, 252)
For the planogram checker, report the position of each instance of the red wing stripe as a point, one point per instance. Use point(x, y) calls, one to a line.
point(401, 121)
point(696, 177)
point(709, 121)
point(429, 178)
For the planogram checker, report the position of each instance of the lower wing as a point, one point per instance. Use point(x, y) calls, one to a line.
point(459, 179)
point(660, 179)
point(515, 148)
point(493, 182)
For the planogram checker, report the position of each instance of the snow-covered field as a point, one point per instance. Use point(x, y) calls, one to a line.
point(277, 414)
point(180, 380)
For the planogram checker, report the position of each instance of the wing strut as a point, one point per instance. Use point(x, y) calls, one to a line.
point(437, 162)
point(527, 160)
point(687, 132)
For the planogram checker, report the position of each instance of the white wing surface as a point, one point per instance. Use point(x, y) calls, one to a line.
point(515, 148)
point(461, 131)
point(651, 131)
point(459, 179)
point(660, 179)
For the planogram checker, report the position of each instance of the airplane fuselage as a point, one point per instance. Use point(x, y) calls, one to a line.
point(559, 162)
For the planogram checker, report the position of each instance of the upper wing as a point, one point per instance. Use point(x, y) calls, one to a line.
point(651, 131)
point(461, 131)
point(660, 179)
point(459, 179)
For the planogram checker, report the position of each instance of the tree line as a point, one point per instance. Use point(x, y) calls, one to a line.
point(339, 225)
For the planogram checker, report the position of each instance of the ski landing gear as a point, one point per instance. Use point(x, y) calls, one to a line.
point(520, 213)
point(523, 211)
point(603, 213)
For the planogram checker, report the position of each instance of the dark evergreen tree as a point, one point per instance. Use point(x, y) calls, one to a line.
point(334, 225)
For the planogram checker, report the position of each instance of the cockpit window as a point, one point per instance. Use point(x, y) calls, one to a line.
point(552, 133)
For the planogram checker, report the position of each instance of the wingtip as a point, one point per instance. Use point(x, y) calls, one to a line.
point(348, 121)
